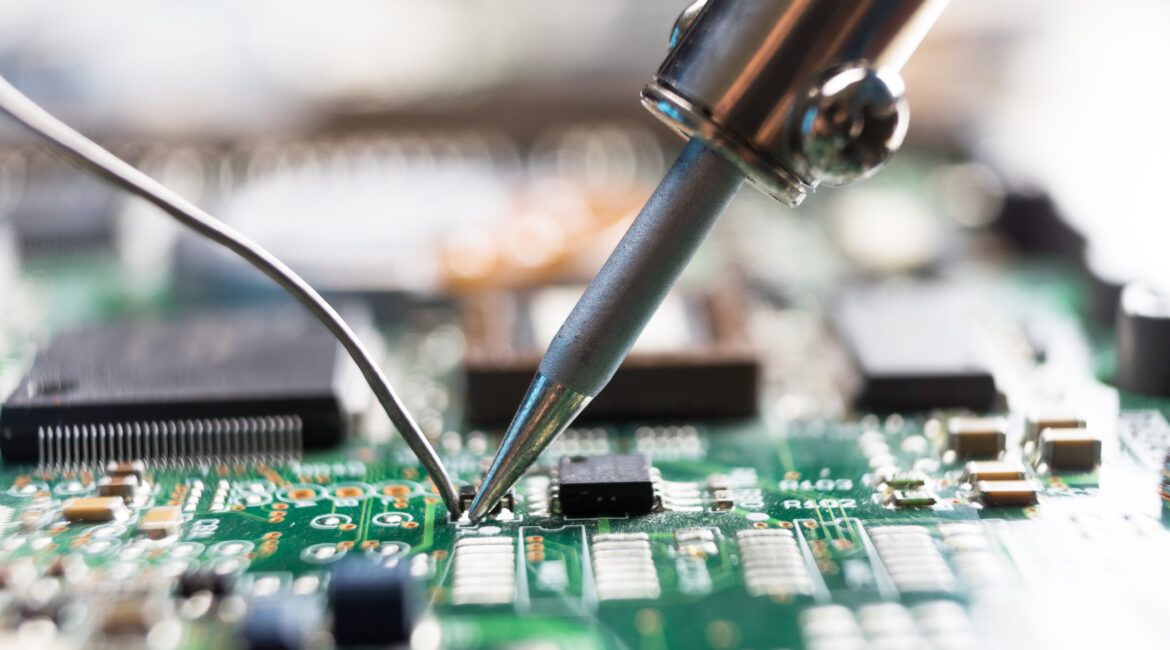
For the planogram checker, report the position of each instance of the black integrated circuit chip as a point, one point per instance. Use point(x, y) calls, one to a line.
point(222, 375)
point(606, 486)
point(914, 347)
point(715, 374)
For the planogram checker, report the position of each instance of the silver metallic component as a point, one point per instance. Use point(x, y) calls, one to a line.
point(605, 323)
point(849, 124)
point(740, 75)
point(171, 443)
point(91, 157)
point(547, 409)
point(685, 20)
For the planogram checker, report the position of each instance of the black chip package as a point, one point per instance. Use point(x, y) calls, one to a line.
point(606, 486)
point(220, 366)
point(914, 346)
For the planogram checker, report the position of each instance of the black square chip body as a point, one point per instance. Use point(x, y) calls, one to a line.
point(228, 372)
point(605, 486)
point(914, 347)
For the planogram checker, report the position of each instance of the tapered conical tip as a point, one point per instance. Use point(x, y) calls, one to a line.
point(547, 409)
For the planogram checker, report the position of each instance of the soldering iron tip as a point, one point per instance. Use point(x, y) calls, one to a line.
point(547, 409)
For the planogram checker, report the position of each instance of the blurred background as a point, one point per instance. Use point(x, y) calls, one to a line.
point(422, 148)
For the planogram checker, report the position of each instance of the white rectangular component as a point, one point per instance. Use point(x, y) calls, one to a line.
point(623, 567)
point(484, 571)
point(912, 559)
point(773, 564)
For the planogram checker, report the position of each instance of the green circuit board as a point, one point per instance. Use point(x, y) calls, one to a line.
point(278, 528)
point(811, 525)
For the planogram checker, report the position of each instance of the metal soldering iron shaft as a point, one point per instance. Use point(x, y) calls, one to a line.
point(613, 311)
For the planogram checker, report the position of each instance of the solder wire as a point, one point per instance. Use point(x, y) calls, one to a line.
point(93, 158)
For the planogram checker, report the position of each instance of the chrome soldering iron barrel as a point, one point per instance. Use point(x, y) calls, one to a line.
point(797, 93)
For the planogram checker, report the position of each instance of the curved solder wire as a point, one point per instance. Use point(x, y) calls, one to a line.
point(109, 167)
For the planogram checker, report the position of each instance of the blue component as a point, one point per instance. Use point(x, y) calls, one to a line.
point(280, 623)
point(666, 108)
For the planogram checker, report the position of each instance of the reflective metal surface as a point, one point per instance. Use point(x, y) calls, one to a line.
point(738, 74)
point(849, 125)
point(547, 409)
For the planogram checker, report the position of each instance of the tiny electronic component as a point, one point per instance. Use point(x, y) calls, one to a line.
point(119, 486)
point(599, 486)
point(722, 500)
point(372, 604)
point(912, 559)
point(696, 542)
point(1143, 341)
point(160, 522)
point(222, 380)
point(910, 499)
point(902, 479)
point(95, 509)
point(1041, 420)
point(280, 623)
point(913, 347)
point(467, 495)
point(992, 470)
point(773, 564)
point(483, 572)
point(137, 469)
point(694, 360)
point(1006, 493)
point(971, 437)
point(623, 567)
point(1070, 449)
point(197, 580)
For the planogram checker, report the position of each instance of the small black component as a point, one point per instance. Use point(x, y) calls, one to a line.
point(195, 581)
point(612, 485)
point(221, 367)
point(467, 495)
point(280, 623)
point(1143, 341)
point(1031, 220)
point(913, 347)
point(372, 604)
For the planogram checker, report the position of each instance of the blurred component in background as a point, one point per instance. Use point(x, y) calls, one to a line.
point(452, 147)
point(432, 214)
